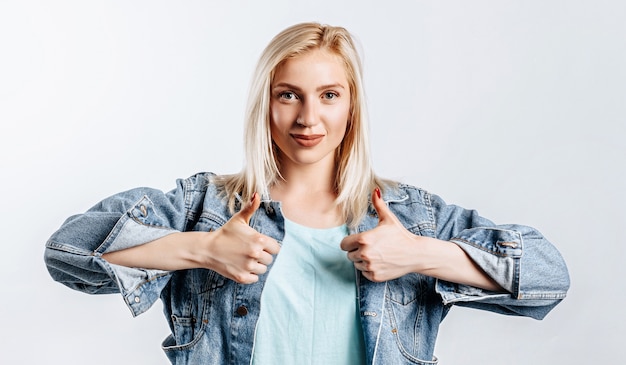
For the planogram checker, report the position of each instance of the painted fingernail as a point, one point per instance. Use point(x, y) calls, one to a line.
point(378, 192)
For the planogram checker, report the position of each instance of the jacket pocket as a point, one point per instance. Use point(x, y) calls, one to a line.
point(193, 319)
point(187, 336)
point(411, 324)
point(185, 330)
point(188, 306)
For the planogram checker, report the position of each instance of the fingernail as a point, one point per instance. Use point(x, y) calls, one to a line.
point(378, 192)
point(253, 197)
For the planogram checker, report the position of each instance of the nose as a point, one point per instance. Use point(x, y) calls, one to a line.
point(308, 115)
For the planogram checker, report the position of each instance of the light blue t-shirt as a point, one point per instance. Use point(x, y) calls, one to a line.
point(309, 310)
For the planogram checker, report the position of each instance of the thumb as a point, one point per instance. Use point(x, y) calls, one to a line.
point(248, 210)
point(384, 214)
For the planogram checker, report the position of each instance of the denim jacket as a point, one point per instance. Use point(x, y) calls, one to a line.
point(213, 319)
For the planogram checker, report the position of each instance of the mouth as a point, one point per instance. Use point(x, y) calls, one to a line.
point(307, 140)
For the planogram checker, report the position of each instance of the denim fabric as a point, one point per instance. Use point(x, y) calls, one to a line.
point(213, 319)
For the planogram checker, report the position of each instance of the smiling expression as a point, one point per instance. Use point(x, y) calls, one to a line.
point(310, 108)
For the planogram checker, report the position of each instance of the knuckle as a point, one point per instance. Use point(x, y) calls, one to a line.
point(365, 256)
point(250, 280)
point(366, 237)
point(255, 253)
point(249, 265)
point(257, 240)
point(245, 278)
point(367, 266)
point(376, 277)
point(252, 248)
point(240, 278)
point(257, 237)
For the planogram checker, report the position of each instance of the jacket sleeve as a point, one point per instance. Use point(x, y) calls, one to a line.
point(73, 254)
point(517, 257)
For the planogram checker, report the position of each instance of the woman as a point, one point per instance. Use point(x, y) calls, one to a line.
point(259, 267)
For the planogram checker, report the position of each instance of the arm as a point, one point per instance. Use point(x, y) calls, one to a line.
point(445, 260)
point(236, 251)
point(517, 257)
point(74, 252)
point(130, 242)
point(512, 269)
point(390, 251)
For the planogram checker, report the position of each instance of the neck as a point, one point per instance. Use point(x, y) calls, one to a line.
point(317, 178)
point(308, 195)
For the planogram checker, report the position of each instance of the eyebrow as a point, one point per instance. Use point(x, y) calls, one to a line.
point(319, 88)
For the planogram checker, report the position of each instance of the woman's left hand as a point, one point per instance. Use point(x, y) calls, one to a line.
point(386, 252)
point(390, 251)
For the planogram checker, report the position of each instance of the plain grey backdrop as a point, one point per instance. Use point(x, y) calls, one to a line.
point(514, 108)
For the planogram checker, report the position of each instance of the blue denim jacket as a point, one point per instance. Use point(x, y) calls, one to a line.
point(213, 319)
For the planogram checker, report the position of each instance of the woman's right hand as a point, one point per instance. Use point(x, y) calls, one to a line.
point(236, 250)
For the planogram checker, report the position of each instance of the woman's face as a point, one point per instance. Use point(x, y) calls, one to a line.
point(310, 107)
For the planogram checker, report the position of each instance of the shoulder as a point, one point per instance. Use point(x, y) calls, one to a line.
point(405, 194)
point(206, 196)
point(199, 181)
point(202, 183)
point(412, 206)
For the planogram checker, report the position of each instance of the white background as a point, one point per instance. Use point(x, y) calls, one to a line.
point(515, 108)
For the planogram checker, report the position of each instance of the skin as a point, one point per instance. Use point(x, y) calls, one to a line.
point(310, 107)
point(310, 103)
point(390, 251)
point(236, 250)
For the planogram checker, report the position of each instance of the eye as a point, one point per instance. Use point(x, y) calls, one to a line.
point(330, 95)
point(287, 95)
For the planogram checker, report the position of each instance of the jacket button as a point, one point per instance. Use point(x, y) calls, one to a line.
point(242, 310)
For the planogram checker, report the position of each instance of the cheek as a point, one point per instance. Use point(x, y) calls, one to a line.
point(275, 120)
point(275, 133)
point(281, 117)
point(340, 119)
point(273, 115)
point(277, 124)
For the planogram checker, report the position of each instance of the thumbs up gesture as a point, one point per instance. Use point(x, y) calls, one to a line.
point(386, 252)
point(239, 252)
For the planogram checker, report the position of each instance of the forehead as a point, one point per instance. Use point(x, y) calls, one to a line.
point(317, 64)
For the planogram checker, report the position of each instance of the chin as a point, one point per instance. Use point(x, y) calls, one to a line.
point(305, 158)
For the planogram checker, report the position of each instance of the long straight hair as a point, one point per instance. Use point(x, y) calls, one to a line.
point(355, 179)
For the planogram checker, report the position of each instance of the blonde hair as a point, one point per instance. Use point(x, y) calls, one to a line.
point(355, 178)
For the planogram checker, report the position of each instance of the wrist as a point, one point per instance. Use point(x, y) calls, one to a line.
point(197, 251)
point(429, 253)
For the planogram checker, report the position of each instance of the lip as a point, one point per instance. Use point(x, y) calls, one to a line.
point(307, 140)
